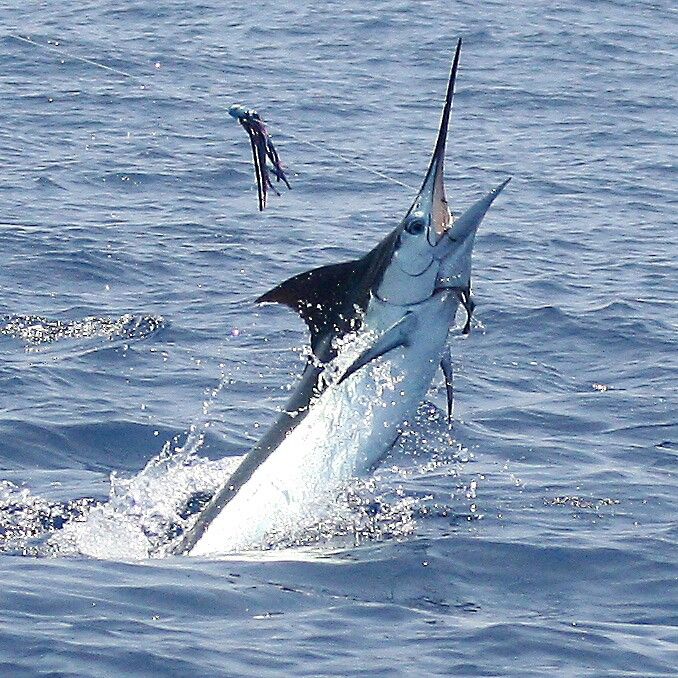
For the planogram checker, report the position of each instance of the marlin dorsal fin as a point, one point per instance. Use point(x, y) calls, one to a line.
point(319, 296)
point(330, 298)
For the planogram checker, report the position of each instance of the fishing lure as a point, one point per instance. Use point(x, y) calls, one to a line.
point(262, 148)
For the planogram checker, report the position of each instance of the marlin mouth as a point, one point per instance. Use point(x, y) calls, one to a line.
point(431, 203)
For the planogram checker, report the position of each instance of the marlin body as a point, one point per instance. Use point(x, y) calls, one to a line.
point(379, 327)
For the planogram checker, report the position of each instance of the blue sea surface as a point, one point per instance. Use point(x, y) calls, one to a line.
point(537, 537)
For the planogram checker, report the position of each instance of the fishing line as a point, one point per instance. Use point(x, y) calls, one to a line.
point(49, 48)
point(319, 147)
point(353, 162)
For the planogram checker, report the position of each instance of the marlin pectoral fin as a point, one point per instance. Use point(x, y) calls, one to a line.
point(446, 367)
point(397, 335)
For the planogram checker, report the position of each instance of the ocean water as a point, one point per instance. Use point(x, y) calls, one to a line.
point(536, 537)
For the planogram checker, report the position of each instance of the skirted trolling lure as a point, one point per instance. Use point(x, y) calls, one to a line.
point(262, 148)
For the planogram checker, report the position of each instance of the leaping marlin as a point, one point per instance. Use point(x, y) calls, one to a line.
point(379, 328)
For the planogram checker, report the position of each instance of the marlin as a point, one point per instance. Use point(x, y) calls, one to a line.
point(378, 330)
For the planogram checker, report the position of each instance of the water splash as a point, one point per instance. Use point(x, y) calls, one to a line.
point(25, 518)
point(36, 330)
point(146, 514)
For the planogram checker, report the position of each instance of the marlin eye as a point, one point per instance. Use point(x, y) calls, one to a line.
point(415, 225)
